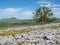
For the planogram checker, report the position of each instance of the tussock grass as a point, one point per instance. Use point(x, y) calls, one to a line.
point(3, 28)
point(14, 32)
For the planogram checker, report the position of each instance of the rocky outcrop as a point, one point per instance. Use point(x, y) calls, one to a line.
point(35, 37)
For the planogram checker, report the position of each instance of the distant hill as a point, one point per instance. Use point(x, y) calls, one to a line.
point(15, 21)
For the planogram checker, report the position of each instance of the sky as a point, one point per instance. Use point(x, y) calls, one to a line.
point(22, 9)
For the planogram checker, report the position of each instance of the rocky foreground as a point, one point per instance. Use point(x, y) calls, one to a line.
point(38, 36)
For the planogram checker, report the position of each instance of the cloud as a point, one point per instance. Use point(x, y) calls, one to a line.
point(56, 12)
point(50, 5)
point(20, 11)
point(55, 8)
point(27, 12)
point(43, 2)
point(8, 10)
point(47, 3)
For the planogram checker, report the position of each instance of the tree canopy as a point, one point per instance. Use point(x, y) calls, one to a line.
point(43, 15)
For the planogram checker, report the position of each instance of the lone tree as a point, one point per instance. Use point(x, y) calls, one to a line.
point(43, 15)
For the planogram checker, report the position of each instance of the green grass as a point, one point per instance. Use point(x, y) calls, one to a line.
point(14, 26)
point(14, 32)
